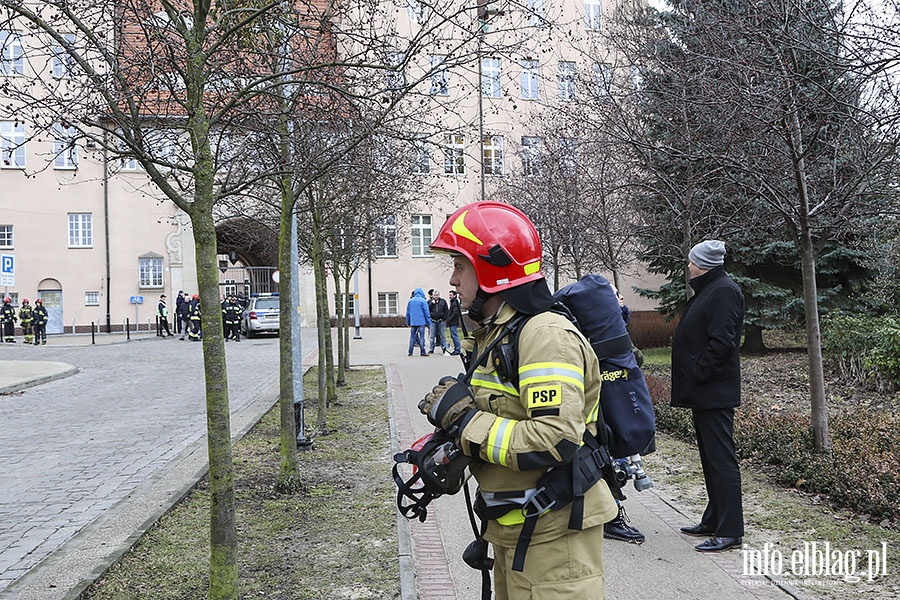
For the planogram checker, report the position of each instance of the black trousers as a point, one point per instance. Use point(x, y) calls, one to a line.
point(721, 472)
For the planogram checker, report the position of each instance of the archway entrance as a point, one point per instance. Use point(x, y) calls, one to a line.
point(248, 257)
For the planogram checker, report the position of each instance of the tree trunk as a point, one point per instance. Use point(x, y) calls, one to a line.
point(341, 306)
point(753, 341)
point(321, 326)
point(287, 419)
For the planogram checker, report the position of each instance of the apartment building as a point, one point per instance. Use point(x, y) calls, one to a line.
point(99, 244)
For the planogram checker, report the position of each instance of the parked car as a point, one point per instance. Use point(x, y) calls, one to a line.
point(261, 315)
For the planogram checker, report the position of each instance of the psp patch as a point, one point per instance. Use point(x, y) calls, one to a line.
point(544, 396)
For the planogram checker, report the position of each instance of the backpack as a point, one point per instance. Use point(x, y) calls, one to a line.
point(625, 403)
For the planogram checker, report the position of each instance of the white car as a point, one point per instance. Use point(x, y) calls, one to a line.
point(261, 315)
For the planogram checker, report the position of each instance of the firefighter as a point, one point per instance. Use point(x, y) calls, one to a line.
point(8, 319)
point(194, 314)
point(231, 314)
point(516, 433)
point(26, 317)
point(40, 317)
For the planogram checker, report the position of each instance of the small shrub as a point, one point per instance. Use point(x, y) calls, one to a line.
point(650, 329)
point(866, 350)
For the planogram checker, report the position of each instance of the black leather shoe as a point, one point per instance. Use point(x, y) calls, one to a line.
point(718, 544)
point(619, 529)
point(699, 529)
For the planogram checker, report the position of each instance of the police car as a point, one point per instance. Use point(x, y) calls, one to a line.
point(261, 315)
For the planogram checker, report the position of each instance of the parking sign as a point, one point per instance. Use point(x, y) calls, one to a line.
point(7, 270)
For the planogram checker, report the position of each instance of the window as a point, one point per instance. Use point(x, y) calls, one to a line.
point(396, 76)
point(81, 233)
point(12, 145)
point(344, 304)
point(490, 78)
point(416, 11)
point(92, 298)
point(569, 148)
point(602, 78)
point(127, 163)
point(530, 80)
point(421, 235)
point(65, 152)
point(63, 64)
point(492, 155)
point(454, 159)
point(440, 85)
point(12, 60)
point(386, 236)
point(6, 236)
point(162, 144)
point(150, 268)
point(637, 80)
point(535, 10)
point(385, 154)
point(566, 80)
point(420, 159)
point(13, 298)
point(388, 303)
point(531, 156)
point(592, 10)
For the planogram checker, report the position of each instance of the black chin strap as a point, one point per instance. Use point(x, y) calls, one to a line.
point(477, 307)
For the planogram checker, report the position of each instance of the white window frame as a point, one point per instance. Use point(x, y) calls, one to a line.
point(416, 10)
point(150, 272)
point(6, 236)
point(602, 78)
point(637, 79)
point(92, 298)
point(386, 237)
point(531, 154)
point(81, 230)
point(567, 74)
point(530, 81)
point(63, 64)
point(593, 15)
point(388, 304)
point(439, 79)
point(454, 154)
point(536, 13)
point(65, 150)
point(492, 155)
point(490, 78)
point(162, 145)
point(420, 155)
point(396, 74)
point(569, 155)
point(12, 59)
point(12, 145)
point(421, 231)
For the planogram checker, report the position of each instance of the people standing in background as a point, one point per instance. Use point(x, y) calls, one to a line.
point(194, 316)
point(184, 316)
point(417, 319)
point(179, 300)
point(40, 322)
point(438, 309)
point(162, 313)
point(26, 318)
point(8, 319)
point(454, 317)
point(706, 378)
point(231, 313)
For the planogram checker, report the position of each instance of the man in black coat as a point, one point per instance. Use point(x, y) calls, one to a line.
point(438, 308)
point(706, 377)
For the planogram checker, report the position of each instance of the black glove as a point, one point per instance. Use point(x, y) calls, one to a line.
point(447, 404)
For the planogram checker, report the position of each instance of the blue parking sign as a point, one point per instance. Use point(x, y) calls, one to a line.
point(7, 270)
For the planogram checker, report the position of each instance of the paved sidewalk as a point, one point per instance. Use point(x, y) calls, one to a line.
point(99, 440)
point(665, 567)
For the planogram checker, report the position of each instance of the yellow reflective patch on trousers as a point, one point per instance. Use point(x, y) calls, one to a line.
point(544, 396)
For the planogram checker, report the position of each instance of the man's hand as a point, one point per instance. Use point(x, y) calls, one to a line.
point(447, 404)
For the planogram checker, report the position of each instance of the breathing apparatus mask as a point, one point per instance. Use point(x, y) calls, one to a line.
point(439, 468)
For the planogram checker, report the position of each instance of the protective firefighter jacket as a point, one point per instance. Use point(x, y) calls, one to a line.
point(519, 434)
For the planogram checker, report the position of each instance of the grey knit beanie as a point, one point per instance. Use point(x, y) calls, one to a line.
point(708, 254)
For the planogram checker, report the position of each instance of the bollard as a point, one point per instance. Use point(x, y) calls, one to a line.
point(93, 339)
point(127, 329)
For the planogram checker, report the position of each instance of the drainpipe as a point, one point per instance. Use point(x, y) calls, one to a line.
point(106, 228)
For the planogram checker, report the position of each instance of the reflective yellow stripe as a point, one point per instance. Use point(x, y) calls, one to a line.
point(551, 371)
point(513, 517)
point(498, 440)
point(595, 412)
point(492, 382)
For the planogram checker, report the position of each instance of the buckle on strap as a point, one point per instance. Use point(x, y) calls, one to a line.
point(537, 502)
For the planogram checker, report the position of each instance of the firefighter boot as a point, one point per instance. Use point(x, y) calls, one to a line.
point(619, 529)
